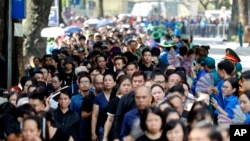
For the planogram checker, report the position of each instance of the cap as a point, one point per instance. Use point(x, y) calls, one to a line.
point(68, 60)
point(81, 69)
point(232, 55)
point(166, 44)
point(156, 35)
point(210, 62)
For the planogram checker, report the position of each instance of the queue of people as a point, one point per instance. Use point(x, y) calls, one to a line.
point(111, 86)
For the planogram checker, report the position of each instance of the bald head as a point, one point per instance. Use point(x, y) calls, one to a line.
point(143, 97)
point(98, 83)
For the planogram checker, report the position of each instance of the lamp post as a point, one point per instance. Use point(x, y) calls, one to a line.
point(9, 69)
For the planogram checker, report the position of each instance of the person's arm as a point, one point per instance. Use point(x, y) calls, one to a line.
point(94, 122)
point(107, 127)
point(217, 106)
point(118, 120)
point(85, 114)
point(71, 138)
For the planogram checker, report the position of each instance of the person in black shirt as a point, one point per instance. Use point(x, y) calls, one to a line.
point(127, 103)
point(146, 62)
point(66, 118)
point(87, 106)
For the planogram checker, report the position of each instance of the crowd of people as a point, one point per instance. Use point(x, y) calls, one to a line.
point(115, 84)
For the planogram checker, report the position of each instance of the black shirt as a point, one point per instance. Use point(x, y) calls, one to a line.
point(68, 121)
point(145, 138)
point(125, 104)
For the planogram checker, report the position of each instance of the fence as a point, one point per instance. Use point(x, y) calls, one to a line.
point(210, 31)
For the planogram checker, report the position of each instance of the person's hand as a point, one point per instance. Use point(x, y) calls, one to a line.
point(116, 140)
point(94, 137)
point(212, 90)
point(105, 139)
point(47, 103)
point(128, 138)
point(239, 116)
point(214, 103)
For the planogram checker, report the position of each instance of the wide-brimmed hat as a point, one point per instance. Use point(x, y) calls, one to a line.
point(166, 44)
point(156, 35)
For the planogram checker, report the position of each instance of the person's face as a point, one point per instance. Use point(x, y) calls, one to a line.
point(56, 83)
point(98, 38)
point(125, 87)
point(130, 69)
point(26, 85)
point(153, 123)
point(30, 130)
point(98, 84)
point(45, 73)
point(37, 105)
point(68, 66)
point(119, 64)
point(147, 57)
point(82, 42)
point(93, 74)
point(101, 63)
point(142, 98)
point(133, 45)
point(108, 82)
point(227, 89)
point(48, 61)
point(244, 103)
point(160, 79)
point(177, 94)
point(84, 84)
point(39, 77)
point(198, 135)
point(172, 116)
point(14, 137)
point(36, 62)
point(157, 93)
point(75, 52)
point(64, 100)
point(155, 59)
point(13, 99)
point(138, 81)
point(246, 84)
point(177, 104)
point(174, 79)
point(176, 134)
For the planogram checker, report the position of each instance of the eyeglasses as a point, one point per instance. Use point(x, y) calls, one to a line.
point(84, 82)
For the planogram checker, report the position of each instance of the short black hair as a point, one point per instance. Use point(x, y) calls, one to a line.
point(82, 37)
point(120, 58)
point(157, 73)
point(146, 50)
point(9, 125)
point(246, 75)
point(172, 124)
point(83, 75)
point(177, 88)
point(37, 120)
point(227, 66)
point(154, 110)
point(47, 56)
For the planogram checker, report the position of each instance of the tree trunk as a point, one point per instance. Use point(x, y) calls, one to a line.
point(101, 11)
point(233, 25)
point(3, 42)
point(243, 11)
point(36, 19)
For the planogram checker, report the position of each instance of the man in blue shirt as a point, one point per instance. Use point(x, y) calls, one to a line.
point(143, 99)
point(83, 82)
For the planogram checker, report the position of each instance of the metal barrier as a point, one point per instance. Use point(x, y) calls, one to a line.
point(209, 31)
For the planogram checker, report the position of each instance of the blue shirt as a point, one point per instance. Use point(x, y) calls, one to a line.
point(164, 57)
point(247, 121)
point(219, 97)
point(216, 76)
point(128, 121)
point(230, 102)
point(103, 103)
point(75, 105)
point(76, 102)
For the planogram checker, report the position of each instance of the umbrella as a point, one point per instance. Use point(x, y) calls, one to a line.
point(52, 32)
point(91, 21)
point(104, 23)
point(72, 29)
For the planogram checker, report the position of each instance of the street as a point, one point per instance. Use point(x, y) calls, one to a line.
point(217, 50)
